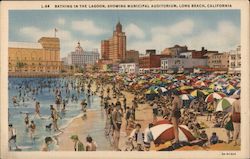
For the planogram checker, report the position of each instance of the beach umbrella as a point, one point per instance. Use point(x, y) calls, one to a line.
point(151, 91)
point(238, 85)
point(215, 95)
point(200, 84)
point(162, 89)
point(197, 93)
point(185, 88)
point(186, 97)
point(153, 87)
point(237, 92)
point(163, 131)
point(225, 104)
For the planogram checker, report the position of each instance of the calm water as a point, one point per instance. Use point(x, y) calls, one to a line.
point(46, 98)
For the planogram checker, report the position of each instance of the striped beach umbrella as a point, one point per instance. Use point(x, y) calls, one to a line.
point(215, 95)
point(198, 93)
point(200, 84)
point(163, 131)
point(162, 89)
point(186, 97)
point(151, 91)
point(225, 104)
point(237, 92)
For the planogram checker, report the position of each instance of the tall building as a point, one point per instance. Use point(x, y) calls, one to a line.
point(80, 57)
point(115, 48)
point(40, 57)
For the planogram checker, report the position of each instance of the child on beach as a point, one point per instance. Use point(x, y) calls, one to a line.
point(78, 145)
point(137, 137)
point(47, 142)
point(214, 139)
point(91, 145)
point(204, 138)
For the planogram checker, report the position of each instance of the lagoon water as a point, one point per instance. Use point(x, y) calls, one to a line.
point(46, 98)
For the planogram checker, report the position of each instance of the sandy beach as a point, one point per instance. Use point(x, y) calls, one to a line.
point(144, 117)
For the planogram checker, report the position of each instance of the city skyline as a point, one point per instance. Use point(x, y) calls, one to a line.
point(215, 30)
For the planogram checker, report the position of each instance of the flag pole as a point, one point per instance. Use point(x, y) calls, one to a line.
point(55, 32)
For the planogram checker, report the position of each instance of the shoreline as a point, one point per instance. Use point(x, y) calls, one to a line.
point(144, 116)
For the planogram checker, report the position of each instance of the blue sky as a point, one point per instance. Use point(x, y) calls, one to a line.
point(214, 29)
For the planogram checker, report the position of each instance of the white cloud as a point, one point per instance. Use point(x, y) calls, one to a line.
point(132, 30)
point(165, 36)
point(61, 21)
point(67, 41)
point(87, 27)
point(178, 29)
point(34, 33)
point(225, 37)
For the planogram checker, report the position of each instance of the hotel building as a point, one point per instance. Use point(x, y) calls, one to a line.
point(40, 57)
point(115, 48)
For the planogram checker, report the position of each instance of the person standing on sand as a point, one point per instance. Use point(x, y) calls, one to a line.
point(148, 137)
point(45, 146)
point(228, 125)
point(124, 104)
point(54, 116)
point(78, 145)
point(210, 109)
point(117, 122)
point(236, 118)
point(137, 137)
point(175, 114)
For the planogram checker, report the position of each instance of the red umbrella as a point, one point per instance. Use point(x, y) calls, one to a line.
point(163, 131)
point(215, 95)
point(200, 84)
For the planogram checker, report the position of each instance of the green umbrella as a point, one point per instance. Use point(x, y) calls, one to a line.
point(225, 104)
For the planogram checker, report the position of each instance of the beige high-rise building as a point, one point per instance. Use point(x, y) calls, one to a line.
point(40, 57)
point(115, 48)
point(218, 60)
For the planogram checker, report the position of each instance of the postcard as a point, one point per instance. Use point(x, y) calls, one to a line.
point(125, 79)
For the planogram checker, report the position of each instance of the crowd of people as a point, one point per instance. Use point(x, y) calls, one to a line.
point(166, 104)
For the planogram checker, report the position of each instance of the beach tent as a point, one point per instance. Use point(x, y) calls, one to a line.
point(163, 131)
